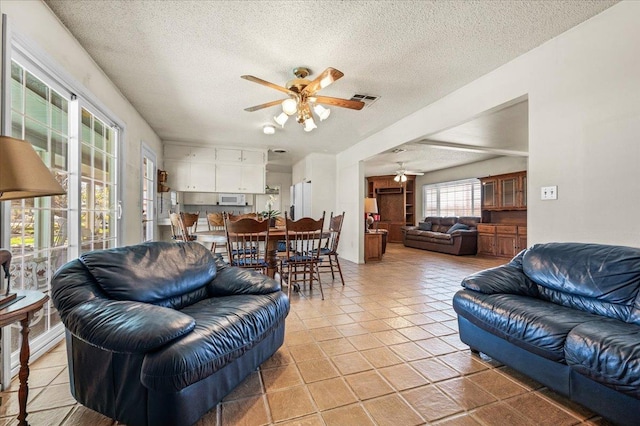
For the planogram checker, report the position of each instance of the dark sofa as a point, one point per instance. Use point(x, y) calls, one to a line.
point(435, 234)
point(567, 315)
point(159, 333)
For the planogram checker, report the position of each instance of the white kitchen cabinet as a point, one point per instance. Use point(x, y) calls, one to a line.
point(195, 198)
point(244, 156)
point(198, 154)
point(191, 176)
point(235, 178)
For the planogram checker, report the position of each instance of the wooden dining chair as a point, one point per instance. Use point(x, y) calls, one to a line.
point(330, 250)
point(215, 222)
point(303, 244)
point(247, 243)
point(183, 225)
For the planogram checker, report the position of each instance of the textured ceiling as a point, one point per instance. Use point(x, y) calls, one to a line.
point(179, 62)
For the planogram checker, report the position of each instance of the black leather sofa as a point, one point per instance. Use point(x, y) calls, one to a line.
point(159, 333)
point(567, 315)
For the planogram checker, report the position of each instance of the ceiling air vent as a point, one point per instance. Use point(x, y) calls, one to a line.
point(367, 99)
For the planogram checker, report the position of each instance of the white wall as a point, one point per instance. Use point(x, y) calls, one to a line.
point(584, 120)
point(494, 166)
point(35, 21)
point(320, 169)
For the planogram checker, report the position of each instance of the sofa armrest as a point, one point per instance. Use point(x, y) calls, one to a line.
point(509, 279)
point(126, 327)
point(461, 233)
point(232, 280)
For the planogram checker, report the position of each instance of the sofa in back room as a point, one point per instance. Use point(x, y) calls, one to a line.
point(158, 333)
point(452, 235)
point(567, 315)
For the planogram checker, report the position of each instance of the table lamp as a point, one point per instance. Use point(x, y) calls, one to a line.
point(22, 175)
point(370, 207)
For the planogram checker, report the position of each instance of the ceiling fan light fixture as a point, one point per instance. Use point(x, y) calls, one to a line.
point(309, 124)
point(403, 178)
point(281, 119)
point(268, 129)
point(289, 106)
point(397, 178)
point(322, 112)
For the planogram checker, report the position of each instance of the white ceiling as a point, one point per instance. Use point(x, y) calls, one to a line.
point(179, 62)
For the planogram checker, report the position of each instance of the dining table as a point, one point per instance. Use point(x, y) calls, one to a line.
point(276, 234)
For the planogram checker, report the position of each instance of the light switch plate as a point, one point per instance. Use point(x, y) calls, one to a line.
point(549, 193)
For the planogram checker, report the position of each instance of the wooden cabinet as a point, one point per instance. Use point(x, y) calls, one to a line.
point(504, 192)
point(372, 246)
point(396, 203)
point(501, 240)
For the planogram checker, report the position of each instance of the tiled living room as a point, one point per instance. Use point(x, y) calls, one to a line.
point(382, 350)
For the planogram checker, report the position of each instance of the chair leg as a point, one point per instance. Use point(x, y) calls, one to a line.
point(339, 270)
point(333, 277)
point(319, 282)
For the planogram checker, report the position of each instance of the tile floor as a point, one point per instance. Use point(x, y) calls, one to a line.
point(382, 350)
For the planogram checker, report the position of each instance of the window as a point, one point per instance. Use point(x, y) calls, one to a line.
point(148, 193)
point(80, 148)
point(457, 198)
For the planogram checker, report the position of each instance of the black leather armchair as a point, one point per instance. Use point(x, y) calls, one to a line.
point(159, 333)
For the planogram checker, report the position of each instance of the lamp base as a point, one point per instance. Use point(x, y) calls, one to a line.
point(9, 299)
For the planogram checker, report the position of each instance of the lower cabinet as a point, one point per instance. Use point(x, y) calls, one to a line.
point(501, 240)
point(372, 246)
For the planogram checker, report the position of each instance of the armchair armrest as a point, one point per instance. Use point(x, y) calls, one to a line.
point(509, 279)
point(126, 327)
point(232, 280)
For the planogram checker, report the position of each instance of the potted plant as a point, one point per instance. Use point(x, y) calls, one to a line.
point(269, 212)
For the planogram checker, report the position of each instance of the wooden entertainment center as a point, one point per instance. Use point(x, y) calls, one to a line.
point(503, 231)
point(396, 203)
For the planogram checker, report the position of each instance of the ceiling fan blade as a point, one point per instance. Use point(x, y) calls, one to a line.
point(267, 105)
point(327, 77)
point(339, 102)
point(268, 84)
point(413, 173)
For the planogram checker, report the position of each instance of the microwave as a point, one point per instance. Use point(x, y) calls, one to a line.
point(232, 199)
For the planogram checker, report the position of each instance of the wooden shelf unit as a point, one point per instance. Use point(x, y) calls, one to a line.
point(396, 203)
point(503, 231)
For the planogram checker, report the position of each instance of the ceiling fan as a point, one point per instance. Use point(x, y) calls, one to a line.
point(302, 97)
point(401, 173)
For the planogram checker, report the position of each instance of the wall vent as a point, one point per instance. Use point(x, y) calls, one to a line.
point(367, 99)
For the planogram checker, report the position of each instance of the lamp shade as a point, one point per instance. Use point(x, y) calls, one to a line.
point(22, 172)
point(370, 205)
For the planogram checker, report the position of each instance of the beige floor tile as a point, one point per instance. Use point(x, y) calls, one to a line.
point(391, 410)
point(351, 363)
point(403, 377)
point(390, 337)
point(331, 393)
point(280, 358)
point(325, 333)
point(348, 330)
point(463, 420)
point(500, 414)
point(463, 362)
point(465, 393)
point(40, 378)
point(497, 384)
point(281, 377)
point(250, 386)
point(246, 412)
point(306, 352)
point(290, 403)
point(298, 337)
point(312, 420)
point(381, 357)
point(365, 341)
point(431, 402)
point(317, 369)
point(368, 384)
point(541, 411)
point(434, 370)
point(337, 347)
point(347, 416)
point(52, 396)
point(436, 346)
point(84, 416)
point(410, 351)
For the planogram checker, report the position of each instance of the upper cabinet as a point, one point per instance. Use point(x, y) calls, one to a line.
point(207, 169)
point(505, 192)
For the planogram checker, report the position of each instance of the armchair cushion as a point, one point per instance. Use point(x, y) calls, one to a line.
point(127, 327)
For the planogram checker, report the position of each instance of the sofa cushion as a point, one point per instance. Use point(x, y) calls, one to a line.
point(226, 328)
point(457, 227)
point(607, 351)
point(424, 226)
point(152, 272)
point(596, 278)
point(532, 324)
